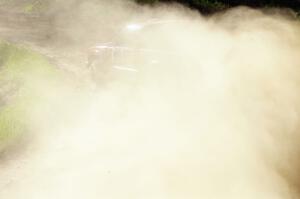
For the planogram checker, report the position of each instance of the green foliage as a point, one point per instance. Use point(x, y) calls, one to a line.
point(20, 71)
point(212, 4)
point(208, 5)
point(33, 6)
point(147, 1)
point(202, 5)
point(215, 5)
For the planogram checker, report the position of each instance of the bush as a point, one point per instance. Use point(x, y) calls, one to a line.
point(17, 90)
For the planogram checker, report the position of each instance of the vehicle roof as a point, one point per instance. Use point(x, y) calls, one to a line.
point(140, 25)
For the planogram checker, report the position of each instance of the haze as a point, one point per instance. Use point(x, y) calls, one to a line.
point(219, 121)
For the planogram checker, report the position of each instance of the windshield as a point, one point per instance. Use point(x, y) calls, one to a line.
point(153, 35)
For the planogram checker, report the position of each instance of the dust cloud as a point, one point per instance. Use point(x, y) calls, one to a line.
point(216, 117)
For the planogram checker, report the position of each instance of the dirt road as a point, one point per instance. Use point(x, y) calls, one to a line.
point(39, 33)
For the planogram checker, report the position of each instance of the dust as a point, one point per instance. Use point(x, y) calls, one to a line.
point(216, 117)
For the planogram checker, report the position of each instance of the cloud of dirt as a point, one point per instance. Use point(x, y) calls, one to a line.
point(211, 110)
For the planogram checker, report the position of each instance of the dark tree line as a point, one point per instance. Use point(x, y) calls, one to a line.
point(208, 6)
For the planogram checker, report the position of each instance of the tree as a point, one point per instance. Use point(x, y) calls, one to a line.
point(208, 6)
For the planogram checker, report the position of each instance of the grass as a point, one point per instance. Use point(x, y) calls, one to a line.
point(20, 71)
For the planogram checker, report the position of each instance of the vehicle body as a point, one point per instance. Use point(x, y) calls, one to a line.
point(138, 48)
